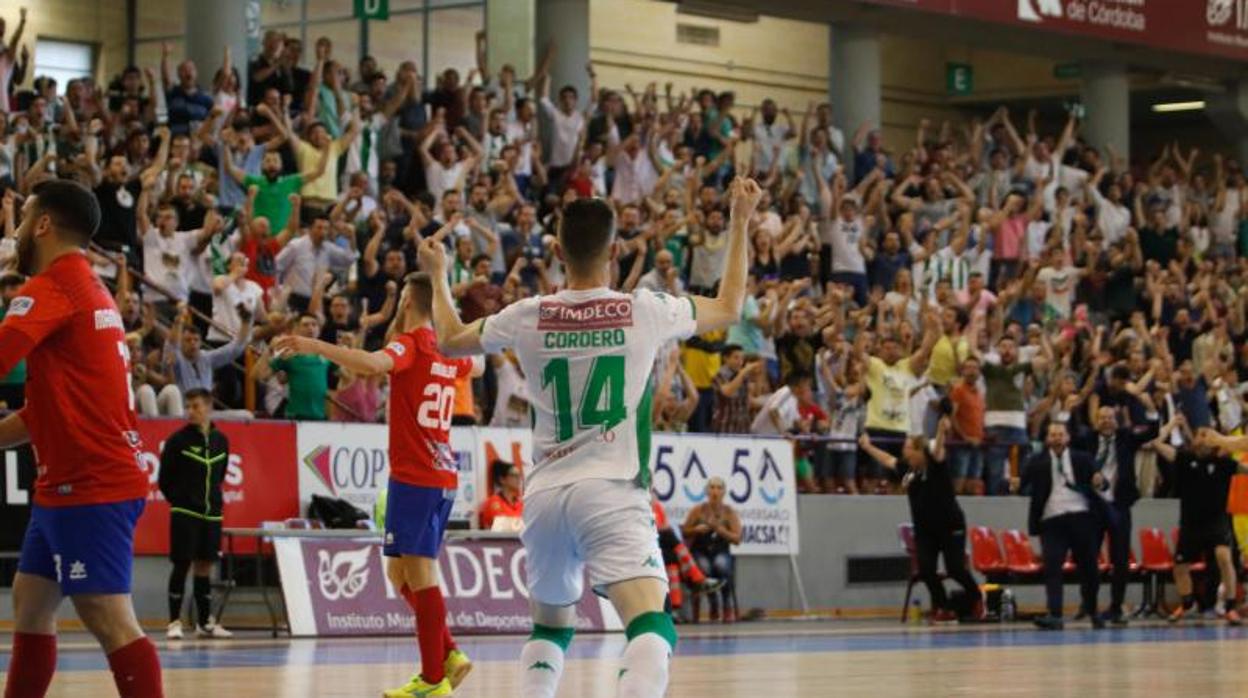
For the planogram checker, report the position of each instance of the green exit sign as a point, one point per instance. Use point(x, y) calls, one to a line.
point(372, 9)
point(959, 79)
point(1067, 71)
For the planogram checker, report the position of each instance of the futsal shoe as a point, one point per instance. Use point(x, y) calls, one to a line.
point(1177, 614)
point(1232, 617)
point(1114, 618)
point(213, 630)
point(457, 667)
point(943, 615)
point(419, 688)
point(709, 586)
point(174, 631)
point(1049, 623)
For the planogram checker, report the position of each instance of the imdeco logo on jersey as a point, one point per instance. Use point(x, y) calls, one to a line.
point(597, 314)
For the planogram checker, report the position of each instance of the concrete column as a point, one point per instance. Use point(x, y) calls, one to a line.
point(854, 80)
point(210, 26)
point(510, 29)
point(567, 23)
point(1106, 95)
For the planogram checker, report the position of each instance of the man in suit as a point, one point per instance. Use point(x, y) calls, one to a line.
point(1115, 447)
point(1065, 513)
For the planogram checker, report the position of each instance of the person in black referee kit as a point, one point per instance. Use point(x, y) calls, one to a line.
point(1202, 477)
point(192, 468)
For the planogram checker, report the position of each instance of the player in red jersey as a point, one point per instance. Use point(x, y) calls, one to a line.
point(423, 477)
point(79, 418)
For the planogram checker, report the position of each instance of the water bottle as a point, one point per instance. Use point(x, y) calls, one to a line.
point(1008, 607)
point(916, 613)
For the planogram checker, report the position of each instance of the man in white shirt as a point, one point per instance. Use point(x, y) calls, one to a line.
point(634, 174)
point(443, 168)
point(300, 262)
point(1060, 280)
point(169, 256)
point(1062, 484)
point(567, 122)
point(664, 277)
point(769, 136)
point(231, 292)
point(779, 415)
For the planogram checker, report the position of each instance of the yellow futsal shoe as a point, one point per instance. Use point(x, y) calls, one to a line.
point(419, 688)
point(458, 666)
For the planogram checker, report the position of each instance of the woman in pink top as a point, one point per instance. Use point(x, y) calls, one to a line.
point(1010, 226)
point(358, 398)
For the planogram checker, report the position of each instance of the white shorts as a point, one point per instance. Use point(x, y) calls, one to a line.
point(605, 525)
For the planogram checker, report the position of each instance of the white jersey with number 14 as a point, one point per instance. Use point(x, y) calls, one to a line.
point(587, 358)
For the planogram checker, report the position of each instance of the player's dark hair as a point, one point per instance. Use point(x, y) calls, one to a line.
point(198, 393)
point(586, 232)
point(420, 285)
point(729, 349)
point(72, 207)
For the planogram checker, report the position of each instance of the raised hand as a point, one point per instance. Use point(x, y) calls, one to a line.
point(745, 195)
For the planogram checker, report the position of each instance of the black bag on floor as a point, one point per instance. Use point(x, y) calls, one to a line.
point(334, 513)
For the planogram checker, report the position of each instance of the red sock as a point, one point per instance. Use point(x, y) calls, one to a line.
point(31, 665)
point(136, 670)
point(447, 641)
point(687, 566)
point(430, 631)
point(673, 585)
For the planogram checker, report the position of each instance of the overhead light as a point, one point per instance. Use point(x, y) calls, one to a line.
point(1169, 107)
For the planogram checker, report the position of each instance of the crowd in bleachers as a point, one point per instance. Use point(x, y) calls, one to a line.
point(1007, 277)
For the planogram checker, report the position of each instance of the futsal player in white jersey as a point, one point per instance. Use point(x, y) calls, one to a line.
point(587, 354)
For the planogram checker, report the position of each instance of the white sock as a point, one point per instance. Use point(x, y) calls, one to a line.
point(541, 662)
point(644, 674)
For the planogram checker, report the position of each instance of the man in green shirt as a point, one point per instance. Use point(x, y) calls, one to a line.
point(307, 375)
point(273, 189)
point(12, 386)
point(1005, 416)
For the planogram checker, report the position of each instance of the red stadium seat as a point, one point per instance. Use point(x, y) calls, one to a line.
point(986, 556)
point(1102, 558)
point(1020, 557)
point(1157, 558)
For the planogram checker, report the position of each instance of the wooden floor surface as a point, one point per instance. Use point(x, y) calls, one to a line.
point(1079, 663)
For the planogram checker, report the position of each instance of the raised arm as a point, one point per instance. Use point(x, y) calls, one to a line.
point(358, 361)
point(17, 33)
point(725, 309)
point(162, 157)
point(454, 337)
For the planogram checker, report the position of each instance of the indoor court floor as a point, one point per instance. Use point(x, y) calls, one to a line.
point(775, 660)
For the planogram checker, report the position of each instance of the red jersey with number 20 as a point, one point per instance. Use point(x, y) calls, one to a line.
point(422, 400)
point(79, 409)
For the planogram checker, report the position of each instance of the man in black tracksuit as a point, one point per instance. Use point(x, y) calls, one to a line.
point(939, 524)
point(192, 468)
